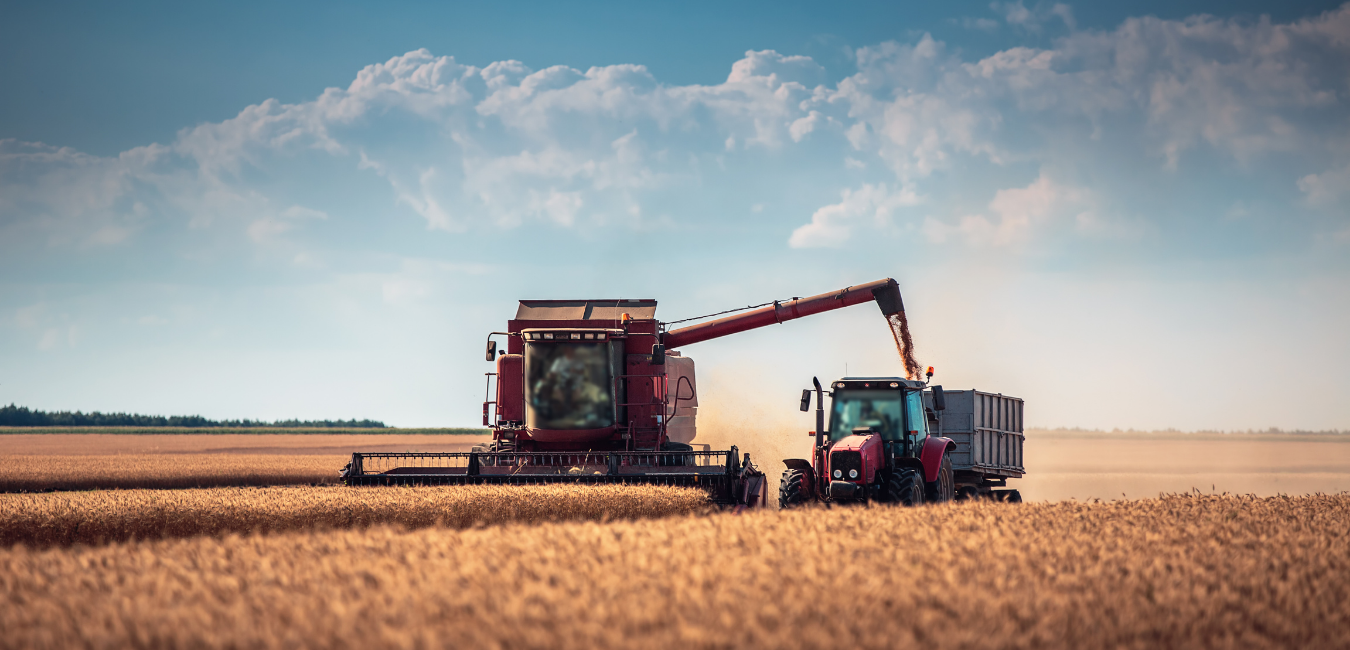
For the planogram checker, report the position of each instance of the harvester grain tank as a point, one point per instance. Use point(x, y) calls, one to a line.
point(897, 440)
point(597, 391)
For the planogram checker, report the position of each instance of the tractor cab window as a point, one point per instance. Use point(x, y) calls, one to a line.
point(878, 409)
point(918, 420)
point(568, 386)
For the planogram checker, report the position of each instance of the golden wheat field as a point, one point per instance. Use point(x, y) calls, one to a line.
point(106, 461)
point(1182, 571)
point(1060, 465)
point(65, 518)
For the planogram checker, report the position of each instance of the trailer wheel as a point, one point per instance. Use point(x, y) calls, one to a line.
point(944, 488)
point(905, 487)
point(790, 489)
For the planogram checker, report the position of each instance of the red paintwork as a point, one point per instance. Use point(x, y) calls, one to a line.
point(645, 383)
point(871, 449)
point(931, 456)
point(511, 388)
point(775, 313)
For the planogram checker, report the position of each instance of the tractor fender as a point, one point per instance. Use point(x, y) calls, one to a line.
point(804, 466)
point(931, 456)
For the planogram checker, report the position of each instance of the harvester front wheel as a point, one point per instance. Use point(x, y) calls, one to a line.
point(944, 488)
point(790, 489)
point(905, 487)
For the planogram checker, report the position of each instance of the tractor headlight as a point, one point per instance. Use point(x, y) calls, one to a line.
point(853, 473)
point(838, 474)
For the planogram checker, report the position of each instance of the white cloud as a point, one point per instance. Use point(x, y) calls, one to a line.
point(465, 148)
point(870, 205)
point(1326, 189)
point(1016, 214)
point(1032, 20)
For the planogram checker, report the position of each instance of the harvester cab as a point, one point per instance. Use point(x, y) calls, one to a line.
point(878, 447)
point(597, 391)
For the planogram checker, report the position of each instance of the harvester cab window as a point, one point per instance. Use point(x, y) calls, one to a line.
point(878, 409)
point(569, 385)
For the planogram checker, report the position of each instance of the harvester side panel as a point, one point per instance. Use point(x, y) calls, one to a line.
point(511, 388)
point(987, 429)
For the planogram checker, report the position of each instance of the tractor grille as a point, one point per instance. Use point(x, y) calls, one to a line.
point(842, 462)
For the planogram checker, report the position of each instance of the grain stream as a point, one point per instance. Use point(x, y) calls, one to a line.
point(1194, 572)
point(67, 518)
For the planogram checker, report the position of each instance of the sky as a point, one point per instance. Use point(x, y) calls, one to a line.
point(1131, 216)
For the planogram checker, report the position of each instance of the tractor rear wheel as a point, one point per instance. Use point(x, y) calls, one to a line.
point(790, 492)
point(944, 488)
point(905, 487)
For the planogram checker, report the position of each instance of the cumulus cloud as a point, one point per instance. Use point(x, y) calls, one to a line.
point(1035, 18)
point(1015, 214)
point(1327, 189)
point(464, 148)
point(871, 206)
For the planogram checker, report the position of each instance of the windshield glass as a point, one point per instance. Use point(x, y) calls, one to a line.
point(878, 409)
point(568, 386)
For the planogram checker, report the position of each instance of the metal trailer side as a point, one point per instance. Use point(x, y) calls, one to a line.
point(988, 431)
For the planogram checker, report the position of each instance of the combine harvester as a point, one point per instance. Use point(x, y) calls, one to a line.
point(595, 391)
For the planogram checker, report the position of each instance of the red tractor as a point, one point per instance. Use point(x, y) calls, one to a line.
point(878, 447)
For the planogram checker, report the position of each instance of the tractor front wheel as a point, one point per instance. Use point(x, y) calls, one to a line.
point(790, 489)
point(905, 487)
point(944, 488)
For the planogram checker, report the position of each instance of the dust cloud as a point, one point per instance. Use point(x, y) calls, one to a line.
point(904, 344)
point(736, 411)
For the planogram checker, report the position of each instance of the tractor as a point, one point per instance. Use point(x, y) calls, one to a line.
point(886, 442)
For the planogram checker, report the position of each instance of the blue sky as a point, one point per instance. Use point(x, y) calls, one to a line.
point(1131, 216)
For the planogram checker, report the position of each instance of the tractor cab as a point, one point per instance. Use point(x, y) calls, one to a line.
point(889, 407)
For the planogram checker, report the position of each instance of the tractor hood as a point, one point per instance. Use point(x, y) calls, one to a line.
point(855, 459)
point(856, 442)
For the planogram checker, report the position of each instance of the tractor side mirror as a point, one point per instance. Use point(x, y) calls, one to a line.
point(939, 399)
point(806, 399)
point(659, 356)
point(492, 350)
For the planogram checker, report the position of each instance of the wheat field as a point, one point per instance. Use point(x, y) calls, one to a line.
point(66, 518)
point(105, 472)
point(59, 461)
point(1181, 571)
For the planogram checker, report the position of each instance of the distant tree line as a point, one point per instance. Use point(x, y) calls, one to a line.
point(22, 416)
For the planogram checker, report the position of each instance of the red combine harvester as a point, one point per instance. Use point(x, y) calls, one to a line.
point(595, 391)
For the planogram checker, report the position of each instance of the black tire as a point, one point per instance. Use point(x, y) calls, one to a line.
point(944, 488)
point(905, 487)
point(790, 489)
